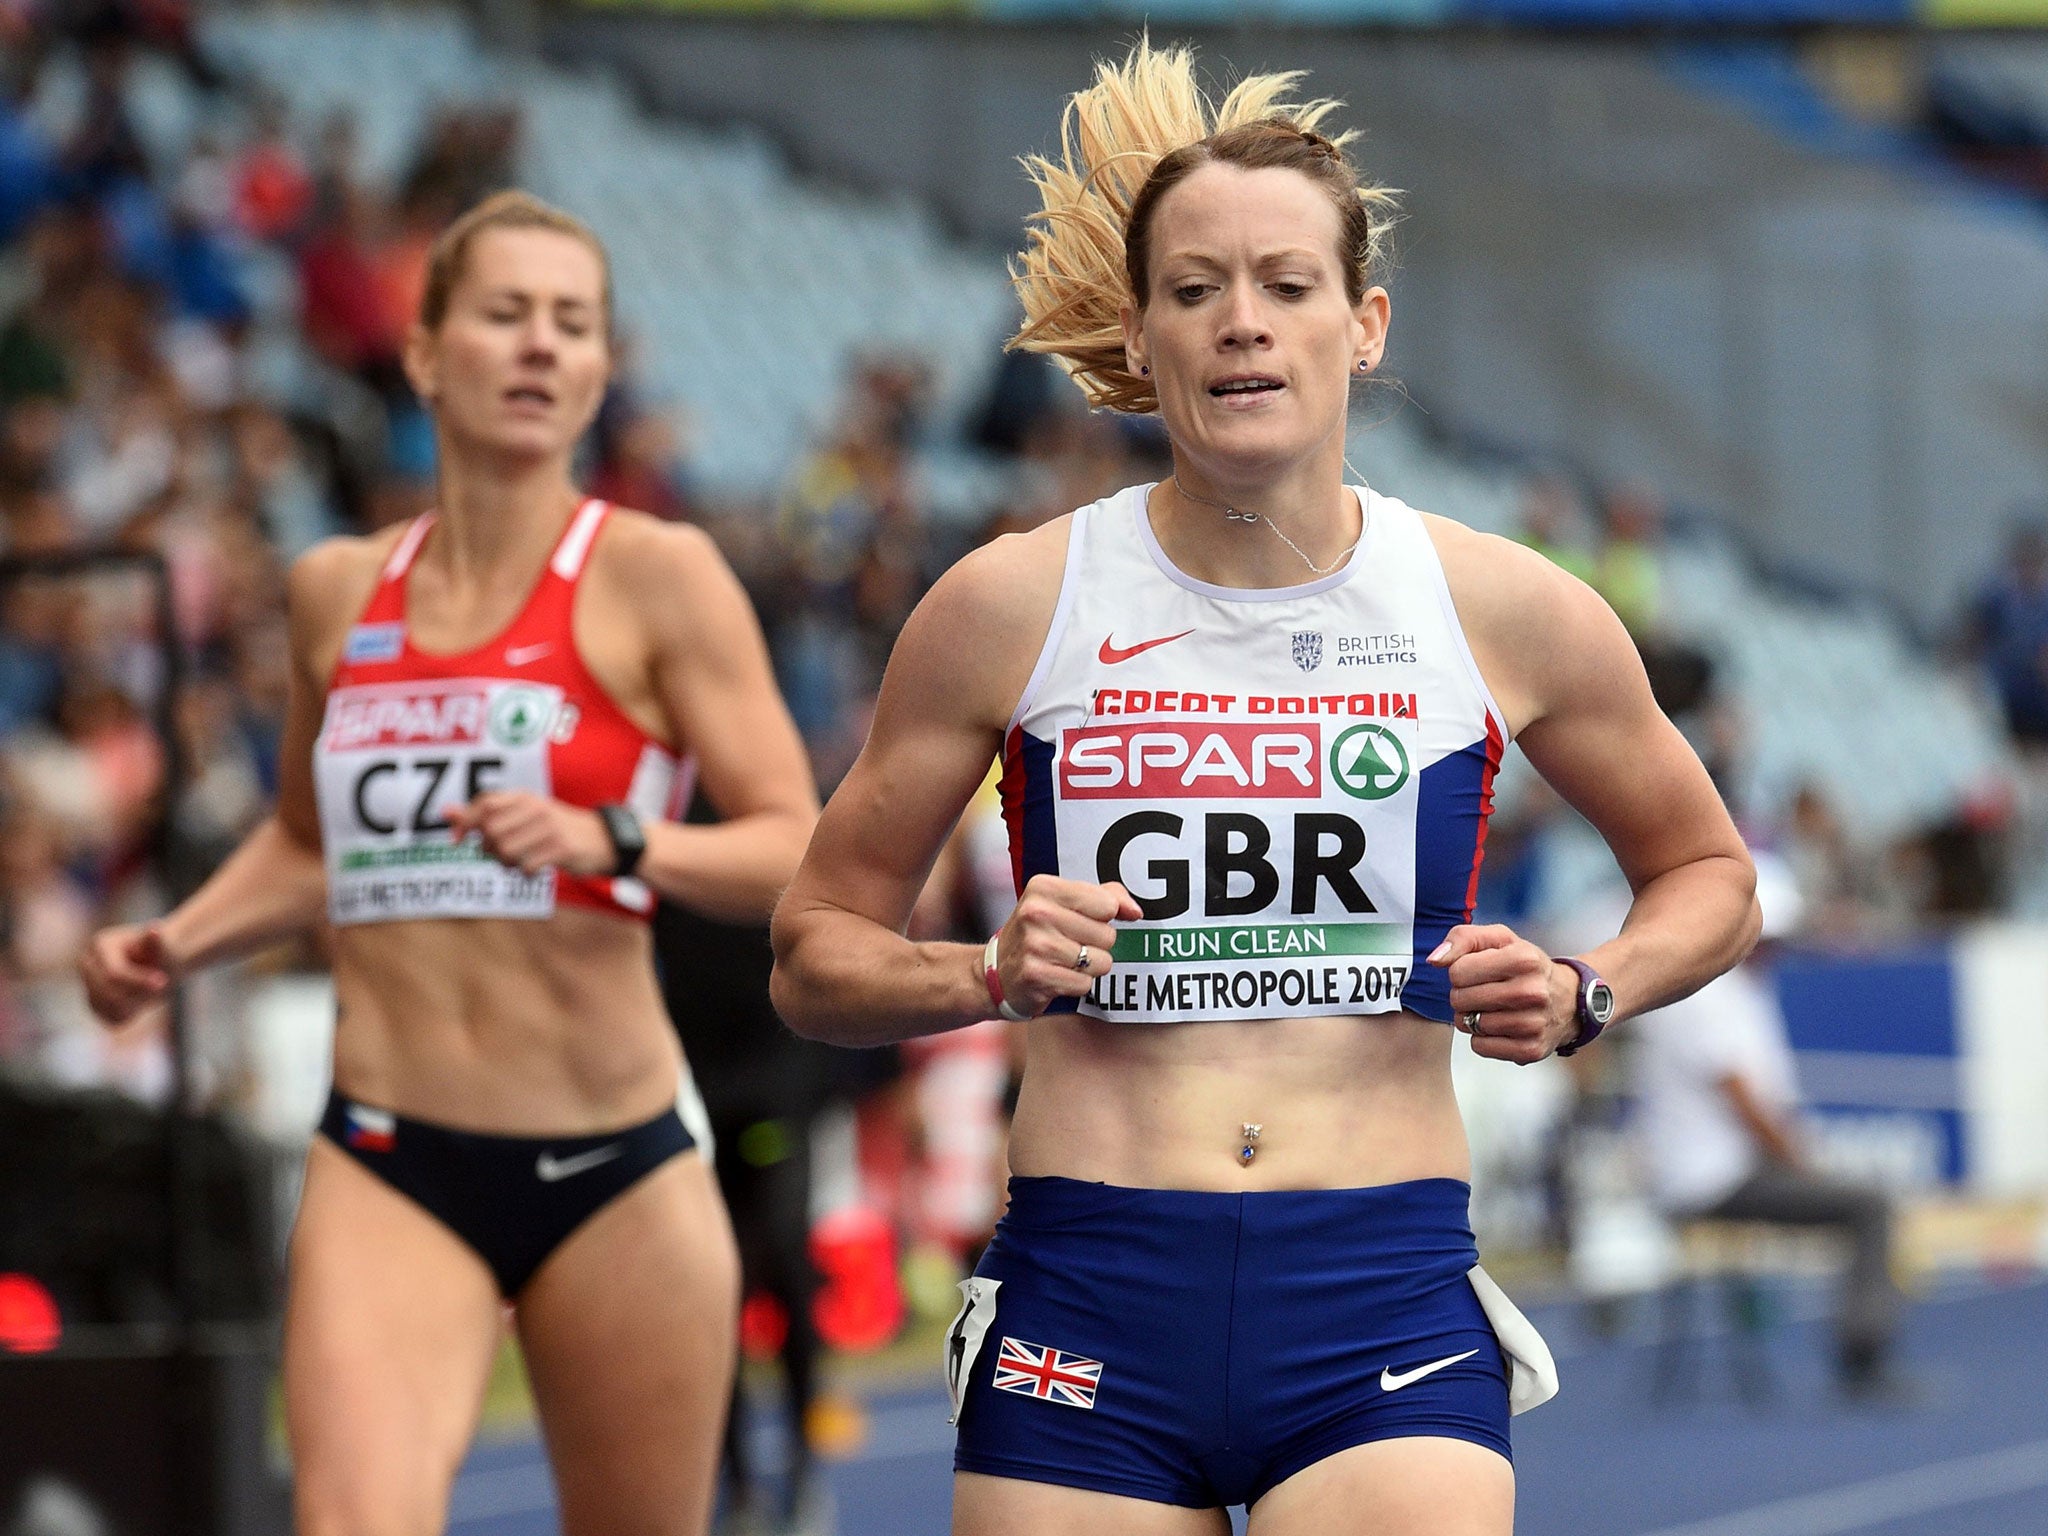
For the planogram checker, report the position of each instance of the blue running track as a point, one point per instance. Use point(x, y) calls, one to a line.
point(1968, 1458)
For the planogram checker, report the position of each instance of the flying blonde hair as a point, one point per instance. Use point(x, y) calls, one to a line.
point(1084, 254)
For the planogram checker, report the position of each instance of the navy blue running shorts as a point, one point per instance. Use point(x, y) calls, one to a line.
point(513, 1199)
point(1197, 1348)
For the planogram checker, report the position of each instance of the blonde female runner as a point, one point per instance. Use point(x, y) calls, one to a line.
point(1249, 719)
point(495, 709)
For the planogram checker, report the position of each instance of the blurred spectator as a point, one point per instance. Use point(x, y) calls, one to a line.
point(273, 190)
point(346, 316)
point(1843, 890)
point(1999, 140)
point(2008, 631)
point(225, 795)
point(852, 528)
point(1718, 1110)
point(1551, 524)
point(1625, 571)
point(641, 464)
point(28, 169)
point(465, 155)
point(956, 1082)
point(46, 913)
point(45, 916)
point(336, 176)
point(1025, 391)
point(133, 420)
point(763, 1088)
point(274, 478)
point(104, 151)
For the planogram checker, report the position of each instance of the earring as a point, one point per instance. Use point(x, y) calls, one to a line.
point(1365, 365)
point(1144, 372)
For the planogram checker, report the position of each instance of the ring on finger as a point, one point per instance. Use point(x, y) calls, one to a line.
point(1471, 1023)
point(1081, 960)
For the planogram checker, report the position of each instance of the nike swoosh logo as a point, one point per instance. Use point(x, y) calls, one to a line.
point(551, 1168)
point(520, 655)
point(1110, 654)
point(1390, 1382)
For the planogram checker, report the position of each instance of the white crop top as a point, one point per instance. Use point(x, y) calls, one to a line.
point(1293, 782)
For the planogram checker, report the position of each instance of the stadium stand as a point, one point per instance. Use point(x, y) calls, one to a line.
point(756, 303)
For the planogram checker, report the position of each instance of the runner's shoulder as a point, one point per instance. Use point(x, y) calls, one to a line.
point(1504, 590)
point(968, 648)
point(1005, 589)
point(653, 562)
point(630, 538)
point(331, 582)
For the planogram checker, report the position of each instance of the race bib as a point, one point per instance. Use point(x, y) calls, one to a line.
point(1271, 857)
point(393, 759)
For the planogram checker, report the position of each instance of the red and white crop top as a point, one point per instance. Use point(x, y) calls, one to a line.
point(409, 734)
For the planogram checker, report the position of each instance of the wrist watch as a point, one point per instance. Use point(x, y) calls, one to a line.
point(628, 838)
point(1595, 1005)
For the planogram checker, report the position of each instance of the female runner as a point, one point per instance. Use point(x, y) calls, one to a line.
point(1250, 719)
point(495, 709)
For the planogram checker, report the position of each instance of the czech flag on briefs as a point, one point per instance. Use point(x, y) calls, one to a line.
point(371, 1130)
point(1041, 1371)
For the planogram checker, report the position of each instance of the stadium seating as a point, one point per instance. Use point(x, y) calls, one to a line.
point(750, 290)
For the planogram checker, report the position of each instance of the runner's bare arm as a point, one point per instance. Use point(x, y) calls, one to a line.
point(273, 885)
point(844, 971)
point(1573, 687)
point(713, 679)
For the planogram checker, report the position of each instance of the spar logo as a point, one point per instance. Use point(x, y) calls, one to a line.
point(1170, 760)
point(520, 716)
point(1368, 761)
point(405, 718)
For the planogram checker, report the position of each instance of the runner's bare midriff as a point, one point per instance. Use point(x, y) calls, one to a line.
point(511, 1027)
point(1341, 1103)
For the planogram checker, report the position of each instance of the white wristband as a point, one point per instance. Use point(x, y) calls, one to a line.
point(994, 981)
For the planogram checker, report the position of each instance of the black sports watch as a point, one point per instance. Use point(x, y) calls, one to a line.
point(1595, 1005)
point(629, 838)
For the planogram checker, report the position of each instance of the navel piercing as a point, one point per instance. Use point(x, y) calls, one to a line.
point(1250, 1132)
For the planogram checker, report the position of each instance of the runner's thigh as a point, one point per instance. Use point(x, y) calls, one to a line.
point(1008, 1506)
point(1418, 1485)
point(391, 1325)
point(630, 1330)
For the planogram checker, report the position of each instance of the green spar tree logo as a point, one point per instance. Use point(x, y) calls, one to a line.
point(1369, 762)
point(520, 716)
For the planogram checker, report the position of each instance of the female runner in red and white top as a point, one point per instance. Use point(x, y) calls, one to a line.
point(494, 711)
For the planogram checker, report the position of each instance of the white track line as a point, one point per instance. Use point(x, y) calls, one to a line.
point(1859, 1506)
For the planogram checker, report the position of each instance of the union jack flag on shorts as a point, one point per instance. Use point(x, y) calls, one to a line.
point(1038, 1370)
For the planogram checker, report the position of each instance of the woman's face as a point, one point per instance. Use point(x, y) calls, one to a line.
point(1247, 329)
point(519, 362)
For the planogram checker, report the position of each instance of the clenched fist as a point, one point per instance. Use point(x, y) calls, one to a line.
point(1058, 940)
point(530, 833)
point(125, 969)
point(1515, 1002)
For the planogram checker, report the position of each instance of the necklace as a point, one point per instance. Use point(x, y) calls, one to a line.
point(1232, 515)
